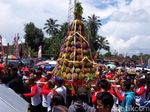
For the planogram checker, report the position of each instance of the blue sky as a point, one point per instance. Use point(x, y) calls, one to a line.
point(125, 22)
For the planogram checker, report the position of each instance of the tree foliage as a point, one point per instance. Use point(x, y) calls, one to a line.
point(33, 36)
point(63, 30)
point(51, 27)
point(101, 43)
point(54, 47)
point(108, 54)
point(93, 24)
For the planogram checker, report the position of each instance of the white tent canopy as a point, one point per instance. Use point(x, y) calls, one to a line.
point(51, 62)
point(11, 102)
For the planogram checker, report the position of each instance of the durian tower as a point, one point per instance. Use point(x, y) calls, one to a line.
point(75, 60)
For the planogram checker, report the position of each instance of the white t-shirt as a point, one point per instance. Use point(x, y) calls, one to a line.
point(44, 101)
point(49, 98)
point(36, 99)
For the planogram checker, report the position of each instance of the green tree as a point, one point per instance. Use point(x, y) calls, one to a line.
point(63, 30)
point(31, 52)
point(54, 47)
point(33, 36)
point(135, 58)
point(101, 43)
point(51, 46)
point(93, 24)
point(51, 27)
point(46, 44)
point(107, 54)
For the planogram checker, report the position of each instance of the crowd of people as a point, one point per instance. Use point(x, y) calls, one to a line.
point(115, 90)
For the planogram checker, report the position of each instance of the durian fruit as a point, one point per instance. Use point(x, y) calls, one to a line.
point(72, 49)
point(78, 44)
point(87, 70)
point(71, 56)
point(67, 43)
point(72, 43)
point(65, 62)
point(84, 45)
point(67, 55)
point(93, 70)
point(67, 70)
point(71, 39)
point(79, 57)
point(64, 68)
point(58, 73)
point(85, 52)
point(60, 61)
point(80, 76)
point(79, 51)
point(77, 65)
point(69, 76)
point(70, 64)
point(64, 75)
point(77, 70)
point(96, 74)
point(74, 76)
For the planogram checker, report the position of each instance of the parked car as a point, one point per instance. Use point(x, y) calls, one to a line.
point(27, 62)
point(139, 67)
point(12, 62)
point(148, 68)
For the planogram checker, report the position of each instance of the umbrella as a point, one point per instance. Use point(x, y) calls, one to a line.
point(1, 66)
point(12, 57)
point(11, 102)
point(35, 66)
point(112, 66)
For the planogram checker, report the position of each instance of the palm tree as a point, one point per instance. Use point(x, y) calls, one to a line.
point(101, 43)
point(93, 24)
point(51, 27)
point(63, 30)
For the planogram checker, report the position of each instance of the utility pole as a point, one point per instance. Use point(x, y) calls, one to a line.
point(7, 53)
point(70, 12)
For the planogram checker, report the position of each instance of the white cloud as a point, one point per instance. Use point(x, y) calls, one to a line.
point(90, 9)
point(16, 13)
point(128, 29)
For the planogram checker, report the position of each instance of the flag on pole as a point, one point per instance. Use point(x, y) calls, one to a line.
point(17, 45)
point(1, 47)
